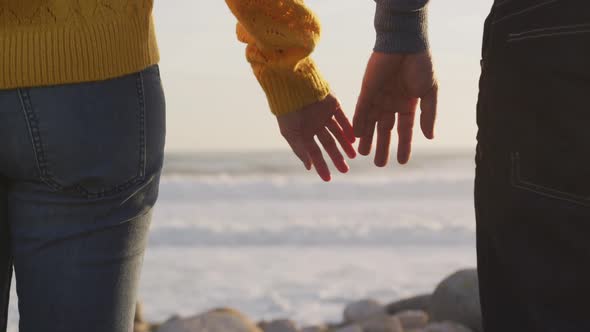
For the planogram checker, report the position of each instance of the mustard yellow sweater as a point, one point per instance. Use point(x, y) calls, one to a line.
point(281, 34)
point(48, 42)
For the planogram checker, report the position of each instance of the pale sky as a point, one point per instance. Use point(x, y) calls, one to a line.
point(214, 102)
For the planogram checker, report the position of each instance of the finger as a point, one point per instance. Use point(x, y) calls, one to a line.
point(359, 122)
point(405, 128)
point(330, 146)
point(380, 68)
point(341, 137)
point(314, 152)
point(367, 119)
point(384, 128)
point(301, 152)
point(344, 123)
point(428, 106)
point(366, 141)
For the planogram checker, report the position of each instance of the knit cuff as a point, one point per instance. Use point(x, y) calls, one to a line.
point(288, 90)
point(399, 31)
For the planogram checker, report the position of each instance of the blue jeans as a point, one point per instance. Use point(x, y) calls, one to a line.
point(80, 167)
point(532, 186)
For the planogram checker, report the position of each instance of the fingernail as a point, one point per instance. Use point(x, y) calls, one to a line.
point(346, 168)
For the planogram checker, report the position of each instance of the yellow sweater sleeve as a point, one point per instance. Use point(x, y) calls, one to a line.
point(280, 36)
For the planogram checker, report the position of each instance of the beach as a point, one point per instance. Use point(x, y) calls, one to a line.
point(258, 233)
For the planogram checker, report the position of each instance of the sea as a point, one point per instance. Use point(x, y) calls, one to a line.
point(257, 232)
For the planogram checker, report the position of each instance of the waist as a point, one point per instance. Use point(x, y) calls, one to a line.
point(52, 54)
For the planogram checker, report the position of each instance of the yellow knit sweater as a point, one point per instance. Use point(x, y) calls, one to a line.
point(281, 34)
point(47, 42)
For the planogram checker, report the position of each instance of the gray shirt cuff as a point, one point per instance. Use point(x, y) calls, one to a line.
point(400, 31)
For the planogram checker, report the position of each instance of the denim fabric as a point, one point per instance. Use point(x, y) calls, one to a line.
point(532, 186)
point(80, 168)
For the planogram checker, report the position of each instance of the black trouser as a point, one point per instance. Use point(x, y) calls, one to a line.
point(532, 187)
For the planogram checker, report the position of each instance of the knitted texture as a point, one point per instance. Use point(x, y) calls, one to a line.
point(281, 35)
point(49, 42)
point(401, 31)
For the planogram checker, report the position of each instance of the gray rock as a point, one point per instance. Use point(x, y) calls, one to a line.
point(457, 299)
point(446, 327)
point(217, 320)
point(279, 325)
point(350, 328)
point(420, 302)
point(412, 319)
point(318, 328)
point(361, 310)
point(173, 317)
point(382, 323)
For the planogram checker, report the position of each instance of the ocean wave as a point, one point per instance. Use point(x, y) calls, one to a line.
point(293, 235)
point(284, 163)
point(281, 188)
point(429, 203)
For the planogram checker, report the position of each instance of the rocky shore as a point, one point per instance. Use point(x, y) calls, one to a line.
point(452, 307)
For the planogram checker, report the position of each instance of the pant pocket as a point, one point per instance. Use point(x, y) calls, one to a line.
point(89, 139)
point(506, 10)
point(559, 176)
point(561, 50)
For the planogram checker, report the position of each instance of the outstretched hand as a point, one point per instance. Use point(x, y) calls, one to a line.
point(326, 120)
point(395, 83)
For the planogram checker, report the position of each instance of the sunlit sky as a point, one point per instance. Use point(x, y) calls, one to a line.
point(214, 103)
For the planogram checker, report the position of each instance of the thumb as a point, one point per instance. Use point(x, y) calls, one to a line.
point(300, 151)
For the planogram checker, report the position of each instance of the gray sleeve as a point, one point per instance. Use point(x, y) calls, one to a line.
point(401, 26)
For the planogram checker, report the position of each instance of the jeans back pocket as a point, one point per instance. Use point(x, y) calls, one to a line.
point(560, 46)
point(505, 10)
point(553, 176)
point(89, 138)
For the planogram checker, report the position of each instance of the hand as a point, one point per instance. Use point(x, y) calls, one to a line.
point(394, 83)
point(326, 120)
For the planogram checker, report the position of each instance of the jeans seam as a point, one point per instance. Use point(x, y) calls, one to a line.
point(33, 128)
point(500, 3)
point(523, 11)
point(548, 34)
point(550, 29)
point(518, 182)
point(142, 126)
